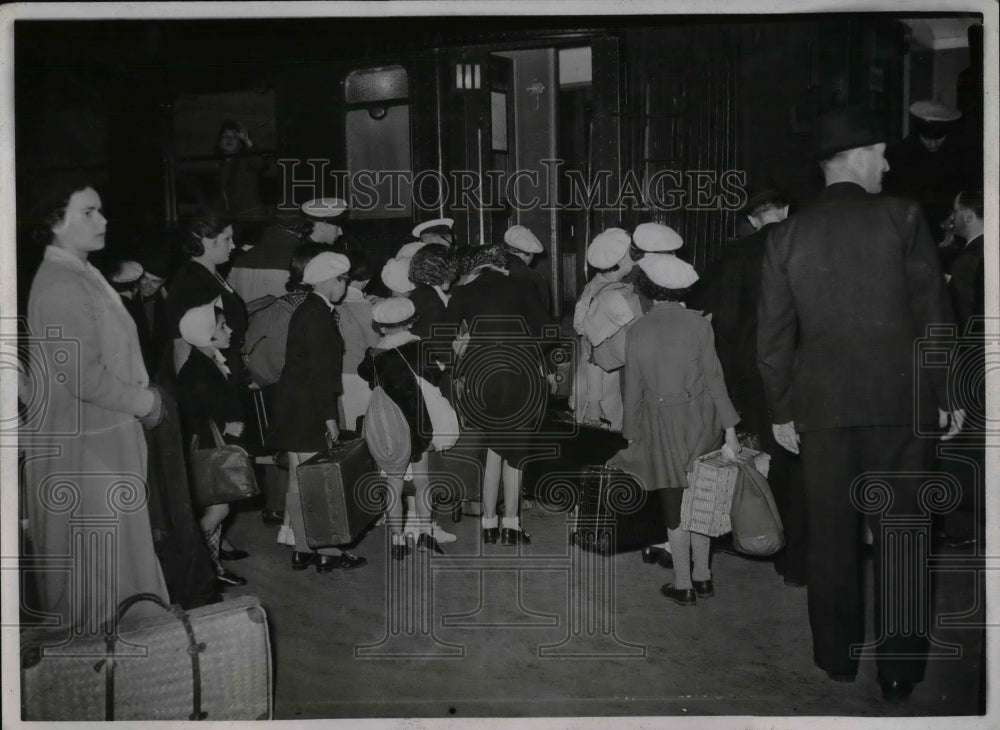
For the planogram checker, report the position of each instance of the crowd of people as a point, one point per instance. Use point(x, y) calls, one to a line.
point(801, 337)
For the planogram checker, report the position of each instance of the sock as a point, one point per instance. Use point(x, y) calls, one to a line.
point(212, 538)
point(681, 542)
point(293, 508)
point(700, 546)
point(489, 522)
point(511, 523)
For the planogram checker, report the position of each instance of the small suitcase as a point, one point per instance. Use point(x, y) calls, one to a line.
point(341, 493)
point(210, 663)
point(614, 514)
point(575, 447)
point(456, 475)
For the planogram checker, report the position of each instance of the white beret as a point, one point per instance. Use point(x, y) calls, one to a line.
point(934, 111)
point(324, 207)
point(396, 275)
point(198, 324)
point(128, 271)
point(393, 310)
point(407, 251)
point(656, 237)
point(608, 248)
point(522, 239)
point(668, 271)
point(325, 266)
point(426, 226)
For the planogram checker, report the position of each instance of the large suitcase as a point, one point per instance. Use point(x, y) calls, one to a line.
point(210, 663)
point(614, 514)
point(341, 493)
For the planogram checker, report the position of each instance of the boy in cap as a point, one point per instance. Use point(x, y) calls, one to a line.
point(848, 285)
point(521, 247)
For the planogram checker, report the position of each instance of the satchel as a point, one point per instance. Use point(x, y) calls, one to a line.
point(444, 420)
point(757, 528)
point(386, 432)
point(222, 474)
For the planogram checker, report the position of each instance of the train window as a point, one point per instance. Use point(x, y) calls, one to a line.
point(378, 142)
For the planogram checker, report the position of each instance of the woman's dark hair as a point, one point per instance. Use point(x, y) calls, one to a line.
point(433, 265)
point(51, 207)
point(303, 254)
point(361, 267)
point(382, 328)
point(194, 231)
point(657, 293)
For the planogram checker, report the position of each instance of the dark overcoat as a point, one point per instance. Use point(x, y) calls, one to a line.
point(848, 287)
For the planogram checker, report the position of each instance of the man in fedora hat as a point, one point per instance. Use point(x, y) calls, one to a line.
point(729, 291)
point(848, 287)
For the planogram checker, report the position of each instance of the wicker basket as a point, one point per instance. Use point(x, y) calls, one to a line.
point(211, 663)
point(705, 508)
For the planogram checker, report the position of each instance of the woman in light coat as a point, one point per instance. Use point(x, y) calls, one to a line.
point(86, 465)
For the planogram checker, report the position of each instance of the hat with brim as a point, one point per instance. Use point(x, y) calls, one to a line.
point(846, 129)
point(437, 225)
point(323, 209)
point(932, 118)
point(768, 192)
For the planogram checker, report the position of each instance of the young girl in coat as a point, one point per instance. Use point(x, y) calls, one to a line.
point(394, 364)
point(206, 394)
point(676, 408)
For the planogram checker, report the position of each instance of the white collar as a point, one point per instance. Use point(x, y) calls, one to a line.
point(396, 339)
point(354, 295)
point(326, 301)
point(441, 293)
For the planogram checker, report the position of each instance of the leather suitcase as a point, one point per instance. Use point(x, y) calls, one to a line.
point(456, 475)
point(341, 494)
point(210, 663)
point(613, 514)
point(576, 447)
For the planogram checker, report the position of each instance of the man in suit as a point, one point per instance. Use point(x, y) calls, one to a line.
point(848, 285)
point(729, 291)
point(965, 273)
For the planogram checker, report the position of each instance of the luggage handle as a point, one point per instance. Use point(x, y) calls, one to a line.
point(195, 444)
point(194, 649)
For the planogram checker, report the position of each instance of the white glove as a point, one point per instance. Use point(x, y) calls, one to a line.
point(785, 434)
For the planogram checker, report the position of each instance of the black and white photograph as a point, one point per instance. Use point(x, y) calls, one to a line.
point(443, 363)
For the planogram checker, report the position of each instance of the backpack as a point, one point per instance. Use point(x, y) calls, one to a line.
point(267, 333)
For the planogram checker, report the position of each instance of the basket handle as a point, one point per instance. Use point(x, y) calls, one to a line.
point(194, 650)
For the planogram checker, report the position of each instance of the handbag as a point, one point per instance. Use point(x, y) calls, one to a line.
point(757, 528)
point(221, 474)
point(444, 420)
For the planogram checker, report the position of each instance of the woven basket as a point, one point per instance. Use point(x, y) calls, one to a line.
point(706, 503)
point(152, 677)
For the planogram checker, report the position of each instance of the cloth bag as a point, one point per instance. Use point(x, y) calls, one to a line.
point(386, 432)
point(757, 528)
point(444, 420)
point(221, 474)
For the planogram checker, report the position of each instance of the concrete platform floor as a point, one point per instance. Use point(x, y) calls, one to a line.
point(551, 630)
